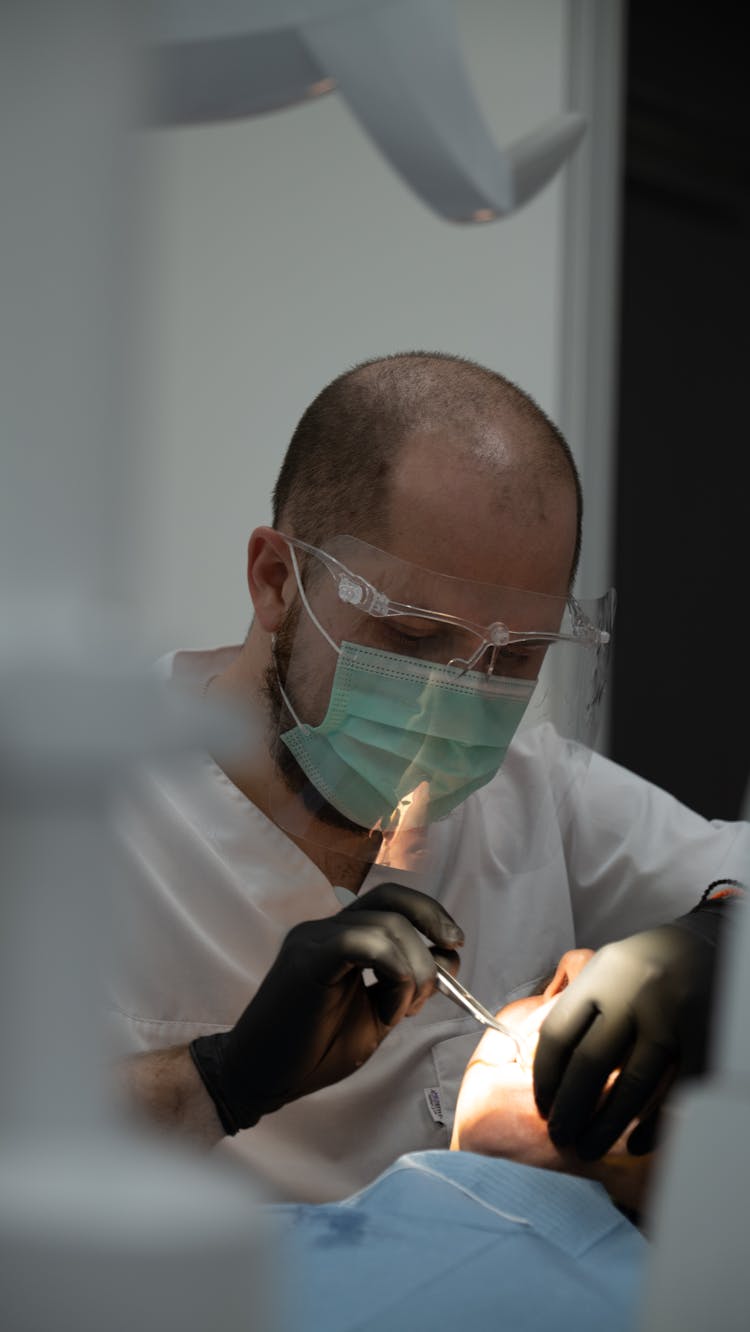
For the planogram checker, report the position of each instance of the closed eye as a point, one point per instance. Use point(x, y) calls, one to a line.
point(518, 660)
point(412, 639)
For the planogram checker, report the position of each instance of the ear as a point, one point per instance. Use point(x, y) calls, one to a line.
point(569, 966)
point(270, 577)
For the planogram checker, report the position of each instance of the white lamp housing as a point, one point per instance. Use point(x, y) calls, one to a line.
point(399, 67)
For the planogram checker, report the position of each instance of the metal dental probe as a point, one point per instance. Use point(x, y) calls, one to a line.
point(452, 988)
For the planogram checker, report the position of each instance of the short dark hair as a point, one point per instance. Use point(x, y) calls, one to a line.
point(344, 446)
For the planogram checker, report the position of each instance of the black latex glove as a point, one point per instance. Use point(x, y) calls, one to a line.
point(642, 1006)
point(313, 1020)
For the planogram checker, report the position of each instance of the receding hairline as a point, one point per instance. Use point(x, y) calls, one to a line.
point(353, 432)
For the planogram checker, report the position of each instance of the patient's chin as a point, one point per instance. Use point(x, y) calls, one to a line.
point(496, 1116)
point(525, 1144)
point(507, 1124)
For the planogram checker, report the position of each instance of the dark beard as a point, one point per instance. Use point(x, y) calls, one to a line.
point(292, 775)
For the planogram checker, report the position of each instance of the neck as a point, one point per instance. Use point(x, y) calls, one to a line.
point(341, 870)
point(344, 856)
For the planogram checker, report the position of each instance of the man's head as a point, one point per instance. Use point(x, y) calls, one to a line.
point(496, 1114)
point(441, 463)
point(382, 447)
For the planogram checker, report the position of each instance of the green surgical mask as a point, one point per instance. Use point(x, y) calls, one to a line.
point(395, 724)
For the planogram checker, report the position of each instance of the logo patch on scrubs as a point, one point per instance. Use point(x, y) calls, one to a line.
point(434, 1104)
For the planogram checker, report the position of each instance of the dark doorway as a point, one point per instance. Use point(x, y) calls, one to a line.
point(681, 682)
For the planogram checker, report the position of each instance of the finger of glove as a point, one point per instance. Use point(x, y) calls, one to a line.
point(386, 943)
point(450, 961)
point(644, 1135)
point(392, 1002)
point(599, 1052)
point(695, 1038)
point(448, 958)
point(634, 1087)
point(424, 913)
point(559, 1035)
point(416, 950)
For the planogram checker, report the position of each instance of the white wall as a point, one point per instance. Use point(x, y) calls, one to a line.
point(282, 250)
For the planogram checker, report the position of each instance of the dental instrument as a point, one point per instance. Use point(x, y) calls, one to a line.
point(452, 989)
point(449, 986)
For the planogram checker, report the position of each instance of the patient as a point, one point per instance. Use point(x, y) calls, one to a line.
point(496, 1114)
point(503, 1231)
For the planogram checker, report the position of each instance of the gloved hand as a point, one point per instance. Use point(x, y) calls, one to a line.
point(642, 1006)
point(313, 1020)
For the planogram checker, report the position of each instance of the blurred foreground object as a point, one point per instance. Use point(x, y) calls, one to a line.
point(397, 64)
point(99, 1228)
point(698, 1275)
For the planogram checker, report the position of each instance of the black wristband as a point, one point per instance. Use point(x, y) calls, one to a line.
point(705, 920)
point(718, 893)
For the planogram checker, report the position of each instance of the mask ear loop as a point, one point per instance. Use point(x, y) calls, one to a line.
point(307, 605)
point(304, 726)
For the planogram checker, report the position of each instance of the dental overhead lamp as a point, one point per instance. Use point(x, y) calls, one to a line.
point(397, 64)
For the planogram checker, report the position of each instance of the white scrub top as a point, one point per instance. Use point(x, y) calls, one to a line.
point(214, 886)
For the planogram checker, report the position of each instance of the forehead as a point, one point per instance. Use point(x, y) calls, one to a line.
point(491, 513)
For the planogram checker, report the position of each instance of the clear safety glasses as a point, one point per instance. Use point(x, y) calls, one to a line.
point(402, 692)
point(447, 638)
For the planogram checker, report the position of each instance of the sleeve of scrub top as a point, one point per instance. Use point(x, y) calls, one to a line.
point(637, 857)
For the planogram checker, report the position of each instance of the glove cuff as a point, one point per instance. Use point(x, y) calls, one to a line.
point(207, 1053)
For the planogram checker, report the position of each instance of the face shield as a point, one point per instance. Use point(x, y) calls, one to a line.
point(397, 692)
